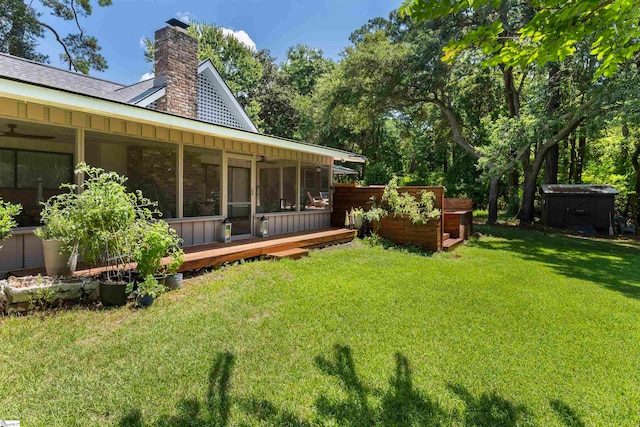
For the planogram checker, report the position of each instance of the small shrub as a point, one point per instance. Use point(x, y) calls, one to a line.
point(8, 212)
point(150, 287)
point(157, 240)
point(420, 210)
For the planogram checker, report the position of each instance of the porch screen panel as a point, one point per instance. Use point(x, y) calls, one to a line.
point(202, 180)
point(7, 169)
point(314, 187)
point(276, 185)
point(150, 166)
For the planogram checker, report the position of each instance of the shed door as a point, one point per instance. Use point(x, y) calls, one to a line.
point(580, 210)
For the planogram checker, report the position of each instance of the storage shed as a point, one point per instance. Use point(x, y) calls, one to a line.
point(565, 205)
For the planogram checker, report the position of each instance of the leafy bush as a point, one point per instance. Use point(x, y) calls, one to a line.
point(150, 287)
point(157, 240)
point(420, 210)
point(7, 213)
point(107, 219)
point(58, 218)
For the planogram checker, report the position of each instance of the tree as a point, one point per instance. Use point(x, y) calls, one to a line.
point(276, 97)
point(609, 27)
point(304, 65)
point(21, 26)
point(544, 38)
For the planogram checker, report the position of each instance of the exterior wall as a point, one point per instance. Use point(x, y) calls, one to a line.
point(198, 231)
point(295, 221)
point(22, 250)
point(176, 60)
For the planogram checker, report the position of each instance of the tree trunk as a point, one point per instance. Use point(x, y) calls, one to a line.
point(513, 190)
point(580, 157)
point(526, 213)
point(492, 216)
point(551, 165)
point(572, 158)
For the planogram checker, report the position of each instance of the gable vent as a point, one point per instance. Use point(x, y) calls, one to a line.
point(212, 108)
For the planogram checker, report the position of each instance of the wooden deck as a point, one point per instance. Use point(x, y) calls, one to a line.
point(211, 255)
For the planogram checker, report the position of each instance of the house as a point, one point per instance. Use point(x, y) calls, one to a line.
point(181, 137)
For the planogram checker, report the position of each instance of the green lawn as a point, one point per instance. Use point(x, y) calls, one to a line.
point(520, 328)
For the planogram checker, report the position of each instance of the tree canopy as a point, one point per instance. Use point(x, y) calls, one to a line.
point(556, 28)
point(21, 26)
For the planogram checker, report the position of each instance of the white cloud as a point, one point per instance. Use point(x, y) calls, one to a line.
point(186, 17)
point(147, 76)
point(242, 37)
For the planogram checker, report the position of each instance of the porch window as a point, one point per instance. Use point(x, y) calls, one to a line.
point(31, 169)
point(315, 184)
point(34, 169)
point(276, 185)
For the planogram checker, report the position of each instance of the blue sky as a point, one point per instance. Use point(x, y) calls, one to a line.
point(273, 25)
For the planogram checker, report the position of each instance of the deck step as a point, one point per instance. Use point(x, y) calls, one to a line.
point(295, 253)
point(445, 236)
point(450, 244)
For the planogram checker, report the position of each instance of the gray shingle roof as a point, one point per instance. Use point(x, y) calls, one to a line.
point(45, 75)
point(135, 92)
point(33, 72)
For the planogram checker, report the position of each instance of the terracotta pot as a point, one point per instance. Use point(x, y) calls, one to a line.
point(56, 262)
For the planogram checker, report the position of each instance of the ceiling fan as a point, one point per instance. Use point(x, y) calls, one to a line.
point(13, 134)
point(263, 159)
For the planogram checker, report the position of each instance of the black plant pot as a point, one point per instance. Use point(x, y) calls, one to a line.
point(145, 301)
point(113, 294)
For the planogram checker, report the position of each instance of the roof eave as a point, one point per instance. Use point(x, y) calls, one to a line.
point(29, 92)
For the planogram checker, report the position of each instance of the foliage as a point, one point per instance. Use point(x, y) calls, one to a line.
point(375, 214)
point(150, 287)
point(7, 221)
point(420, 210)
point(554, 32)
point(58, 217)
point(304, 65)
point(107, 219)
point(21, 27)
point(157, 240)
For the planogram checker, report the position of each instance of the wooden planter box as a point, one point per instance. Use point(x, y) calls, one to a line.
point(401, 231)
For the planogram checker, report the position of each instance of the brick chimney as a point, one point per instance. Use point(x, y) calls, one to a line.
point(176, 64)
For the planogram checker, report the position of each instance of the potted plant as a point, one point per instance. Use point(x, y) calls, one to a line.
point(157, 240)
point(108, 220)
point(58, 234)
point(7, 221)
point(174, 279)
point(148, 291)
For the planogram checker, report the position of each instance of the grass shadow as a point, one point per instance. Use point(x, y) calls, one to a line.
point(567, 415)
point(214, 411)
point(606, 263)
point(491, 409)
point(400, 403)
